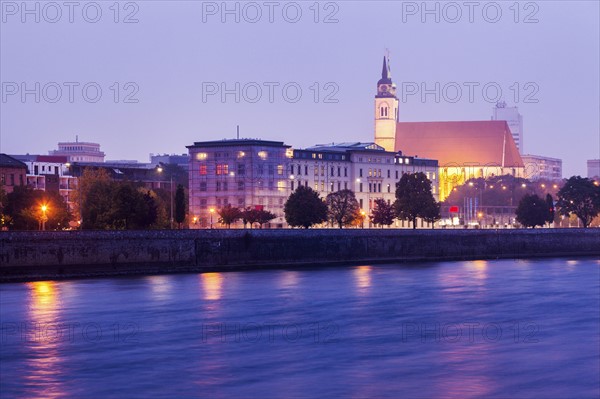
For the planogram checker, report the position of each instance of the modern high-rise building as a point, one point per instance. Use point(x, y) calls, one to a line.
point(79, 151)
point(593, 168)
point(538, 167)
point(514, 119)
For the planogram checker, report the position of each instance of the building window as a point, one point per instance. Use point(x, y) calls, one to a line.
point(203, 203)
point(331, 187)
point(241, 186)
point(360, 173)
point(222, 169)
point(370, 173)
point(306, 170)
point(241, 169)
point(389, 188)
point(345, 172)
point(339, 170)
point(360, 202)
point(271, 186)
point(370, 185)
point(332, 171)
point(322, 186)
point(388, 173)
point(322, 170)
point(339, 186)
point(396, 175)
point(360, 187)
point(281, 185)
point(292, 185)
point(203, 170)
point(345, 185)
point(316, 170)
point(280, 170)
point(202, 186)
point(316, 186)
point(224, 186)
point(218, 186)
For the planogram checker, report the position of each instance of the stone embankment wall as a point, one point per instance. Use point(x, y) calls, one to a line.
point(35, 255)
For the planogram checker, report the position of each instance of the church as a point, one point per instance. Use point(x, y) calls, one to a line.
point(464, 149)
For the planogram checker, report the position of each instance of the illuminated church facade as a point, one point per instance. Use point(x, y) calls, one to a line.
point(464, 149)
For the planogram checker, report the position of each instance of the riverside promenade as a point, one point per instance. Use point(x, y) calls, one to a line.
point(54, 255)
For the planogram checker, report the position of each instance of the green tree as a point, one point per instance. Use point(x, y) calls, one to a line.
point(383, 214)
point(342, 207)
point(229, 215)
point(179, 205)
point(532, 211)
point(89, 177)
point(130, 208)
point(305, 208)
point(413, 197)
point(579, 196)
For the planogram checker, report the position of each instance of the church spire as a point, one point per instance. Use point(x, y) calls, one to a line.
point(385, 71)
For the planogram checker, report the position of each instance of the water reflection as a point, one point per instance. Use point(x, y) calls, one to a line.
point(42, 338)
point(362, 276)
point(161, 286)
point(479, 268)
point(212, 285)
point(289, 279)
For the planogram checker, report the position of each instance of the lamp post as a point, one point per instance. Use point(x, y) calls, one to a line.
point(212, 211)
point(362, 214)
point(160, 170)
point(44, 216)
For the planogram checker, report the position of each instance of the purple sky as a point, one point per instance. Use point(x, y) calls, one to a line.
point(170, 54)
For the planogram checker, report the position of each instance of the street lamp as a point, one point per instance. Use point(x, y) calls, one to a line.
point(160, 170)
point(362, 214)
point(44, 216)
point(212, 211)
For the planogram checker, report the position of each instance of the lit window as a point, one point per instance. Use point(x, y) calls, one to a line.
point(202, 170)
point(262, 154)
point(201, 156)
point(280, 169)
point(281, 185)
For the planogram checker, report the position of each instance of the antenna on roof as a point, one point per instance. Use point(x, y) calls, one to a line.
point(238, 132)
point(77, 138)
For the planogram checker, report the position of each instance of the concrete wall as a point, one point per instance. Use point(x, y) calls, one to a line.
point(33, 255)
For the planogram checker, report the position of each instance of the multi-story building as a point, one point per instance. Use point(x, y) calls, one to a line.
point(259, 173)
point(365, 168)
point(12, 173)
point(538, 167)
point(593, 168)
point(514, 119)
point(242, 173)
point(51, 173)
point(78, 151)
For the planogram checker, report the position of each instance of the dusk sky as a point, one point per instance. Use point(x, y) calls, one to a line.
point(178, 51)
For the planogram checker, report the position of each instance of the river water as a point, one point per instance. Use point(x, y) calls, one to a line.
point(493, 329)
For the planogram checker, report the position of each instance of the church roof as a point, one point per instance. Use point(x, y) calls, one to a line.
point(463, 143)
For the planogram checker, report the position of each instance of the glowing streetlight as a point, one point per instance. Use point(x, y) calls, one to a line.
point(362, 218)
point(212, 211)
point(44, 208)
point(160, 169)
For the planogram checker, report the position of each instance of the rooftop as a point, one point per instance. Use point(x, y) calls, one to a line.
point(10, 162)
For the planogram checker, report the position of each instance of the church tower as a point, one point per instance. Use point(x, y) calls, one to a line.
point(386, 109)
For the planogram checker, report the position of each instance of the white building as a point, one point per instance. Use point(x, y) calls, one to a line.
point(538, 167)
point(79, 151)
point(514, 119)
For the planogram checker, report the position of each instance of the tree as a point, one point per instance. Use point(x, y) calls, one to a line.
point(85, 182)
point(432, 213)
point(304, 208)
point(532, 211)
point(229, 215)
point(342, 207)
point(23, 209)
point(264, 217)
point(179, 205)
point(383, 213)
point(414, 197)
point(550, 208)
point(581, 197)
